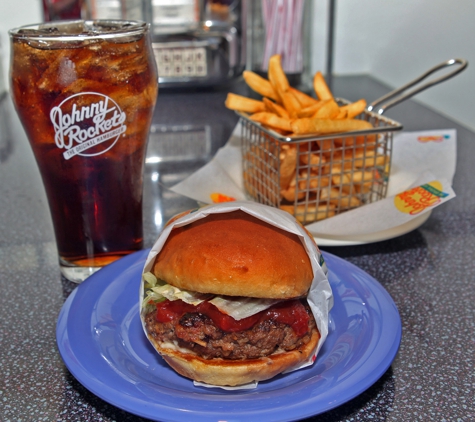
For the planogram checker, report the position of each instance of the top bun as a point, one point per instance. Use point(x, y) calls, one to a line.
point(235, 254)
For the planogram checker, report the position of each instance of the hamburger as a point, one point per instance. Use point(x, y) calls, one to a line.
point(224, 301)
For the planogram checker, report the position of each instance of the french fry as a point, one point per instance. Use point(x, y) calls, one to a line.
point(343, 114)
point(275, 108)
point(327, 146)
point(362, 159)
point(290, 103)
point(362, 176)
point(365, 143)
point(311, 158)
point(290, 194)
point(369, 159)
point(321, 87)
point(311, 110)
point(342, 179)
point(281, 131)
point(287, 168)
point(311, 212)
point(276, 74)
point(339, 177)
point(313, 182)
point(305, 100)
point(285, 148)
point(271, 120)
point(329, 110)
point(362, 143)
point(345, 202)
point(355, 108)
point(325, 126)
point(334, 197)
point(329, 195)
point(259, 84)
point(240, 103)
point(363, 188)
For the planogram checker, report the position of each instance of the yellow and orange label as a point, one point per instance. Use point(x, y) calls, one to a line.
point(219, 197)
point(416, 200)
point(432, 138)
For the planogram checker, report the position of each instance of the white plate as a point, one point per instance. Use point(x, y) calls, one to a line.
point(373, 237)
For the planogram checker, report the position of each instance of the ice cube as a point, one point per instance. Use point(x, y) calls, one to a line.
point(67, 27)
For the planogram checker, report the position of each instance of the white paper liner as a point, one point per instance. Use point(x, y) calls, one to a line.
point(384, 212)
point(320, 297)
point(416, 157)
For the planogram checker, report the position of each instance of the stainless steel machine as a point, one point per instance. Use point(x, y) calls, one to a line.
point(197, 43)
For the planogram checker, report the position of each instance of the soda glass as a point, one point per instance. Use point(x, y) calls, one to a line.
point(85, 93)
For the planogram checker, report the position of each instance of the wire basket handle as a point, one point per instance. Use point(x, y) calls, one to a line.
point(462, 65)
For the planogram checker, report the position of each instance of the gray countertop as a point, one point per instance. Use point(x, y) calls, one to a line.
point(429, 272)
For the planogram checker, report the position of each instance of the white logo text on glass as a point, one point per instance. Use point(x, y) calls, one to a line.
point(87, 124)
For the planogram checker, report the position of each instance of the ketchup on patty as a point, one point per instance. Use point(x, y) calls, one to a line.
point(290, 312)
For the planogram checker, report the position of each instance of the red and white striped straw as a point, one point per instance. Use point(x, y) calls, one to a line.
point(283, 21)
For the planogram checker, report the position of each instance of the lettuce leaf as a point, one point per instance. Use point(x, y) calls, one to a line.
point(242, 307)
point(237, 307)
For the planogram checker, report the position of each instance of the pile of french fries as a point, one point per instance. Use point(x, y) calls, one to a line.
point(317, 178)
point(290, 111)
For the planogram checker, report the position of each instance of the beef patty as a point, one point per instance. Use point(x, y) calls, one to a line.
point(198, 333)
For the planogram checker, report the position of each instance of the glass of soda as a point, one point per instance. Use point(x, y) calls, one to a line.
point(85, 92)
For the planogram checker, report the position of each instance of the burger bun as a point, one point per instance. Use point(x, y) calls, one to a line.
point(235, 254)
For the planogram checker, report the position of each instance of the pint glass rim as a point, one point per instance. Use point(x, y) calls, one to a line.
point(122, 28)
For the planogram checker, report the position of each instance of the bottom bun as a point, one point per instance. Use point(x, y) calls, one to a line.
point(235, 372)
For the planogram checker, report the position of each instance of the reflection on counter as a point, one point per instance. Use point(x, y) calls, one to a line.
point(179, 143)
point(6, 145)
point(174, 153)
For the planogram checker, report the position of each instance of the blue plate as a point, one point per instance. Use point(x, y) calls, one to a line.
point(102, 343)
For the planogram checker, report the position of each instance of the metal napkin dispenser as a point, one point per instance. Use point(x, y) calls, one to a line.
point(197, 43)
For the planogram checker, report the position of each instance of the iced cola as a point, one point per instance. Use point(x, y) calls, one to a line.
point(85, 94)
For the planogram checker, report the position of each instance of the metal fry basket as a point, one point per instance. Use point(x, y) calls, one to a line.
point(317, 177)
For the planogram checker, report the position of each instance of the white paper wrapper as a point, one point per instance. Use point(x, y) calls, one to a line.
point(320, 297)
point(418, 158)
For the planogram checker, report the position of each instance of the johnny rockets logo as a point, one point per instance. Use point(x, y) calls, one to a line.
point(436, 138)
point(87, 124)
point(416, 200)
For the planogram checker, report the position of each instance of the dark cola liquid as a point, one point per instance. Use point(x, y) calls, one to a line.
point(96, 206)
point(87, 110)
